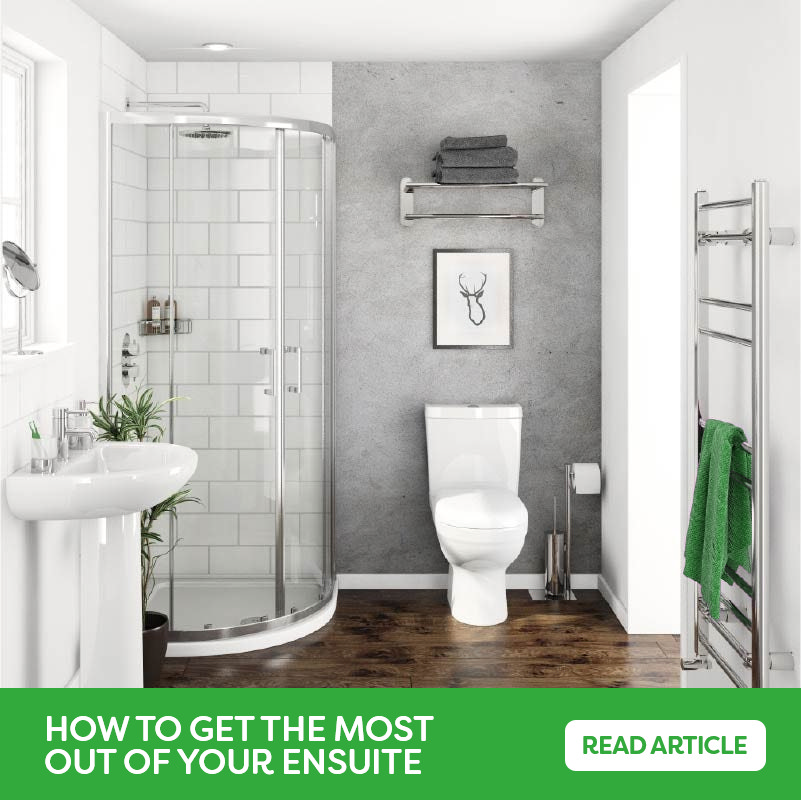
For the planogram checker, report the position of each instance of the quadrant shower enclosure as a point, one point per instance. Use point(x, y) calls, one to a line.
point(219, 245)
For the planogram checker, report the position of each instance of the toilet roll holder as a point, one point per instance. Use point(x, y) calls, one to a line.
point(570, 477)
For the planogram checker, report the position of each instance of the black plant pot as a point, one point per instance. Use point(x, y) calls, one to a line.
point(154, 647)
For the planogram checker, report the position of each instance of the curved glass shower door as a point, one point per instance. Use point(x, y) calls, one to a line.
point(306, 408)
point(224, 270)
point(231, 223)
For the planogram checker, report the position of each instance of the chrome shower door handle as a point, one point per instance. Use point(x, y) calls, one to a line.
point(300, 370)
point(296, 388)
point(266, 351)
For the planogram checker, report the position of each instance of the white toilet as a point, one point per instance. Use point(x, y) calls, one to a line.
point(473, 472)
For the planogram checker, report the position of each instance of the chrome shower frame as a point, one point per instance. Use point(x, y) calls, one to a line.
point(280, 125)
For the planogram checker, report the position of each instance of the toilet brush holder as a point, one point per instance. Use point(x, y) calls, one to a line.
point(557, 577)
point(581, 478)
point(554, 565)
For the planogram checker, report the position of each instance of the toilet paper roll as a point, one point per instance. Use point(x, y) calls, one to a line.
point(586, 478)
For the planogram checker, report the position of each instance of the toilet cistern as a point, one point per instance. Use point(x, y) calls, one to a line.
point(481, 524)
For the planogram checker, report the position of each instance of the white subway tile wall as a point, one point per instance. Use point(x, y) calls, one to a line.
point(315, 77)
point(281, 88)
point(225, 207)
point(205, 76)
point(302, 106)
point(240, 103)
point(162, 76)
point(31, 389)
point(277, 77)
point(123, 78)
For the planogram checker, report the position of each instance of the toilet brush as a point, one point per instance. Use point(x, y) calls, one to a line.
point(554, 561)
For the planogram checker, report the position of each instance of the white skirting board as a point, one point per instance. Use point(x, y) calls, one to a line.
point(614, 602)
point(514, 580)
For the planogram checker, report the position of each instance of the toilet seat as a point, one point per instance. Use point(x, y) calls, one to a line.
point(476, 538)
point(479, 509)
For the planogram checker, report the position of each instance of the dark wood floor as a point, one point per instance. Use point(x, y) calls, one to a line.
point(409, 639)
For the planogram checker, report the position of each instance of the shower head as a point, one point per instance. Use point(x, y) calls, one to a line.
point(205, 132)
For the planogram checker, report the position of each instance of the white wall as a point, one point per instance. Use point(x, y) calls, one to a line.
point(2, 406)
point(742, 122)
point(72, 37)
point(124, 77)
point(300, 89)
point(40, 574)
point(654, 352)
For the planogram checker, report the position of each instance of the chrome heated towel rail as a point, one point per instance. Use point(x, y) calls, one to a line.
point(759, 236)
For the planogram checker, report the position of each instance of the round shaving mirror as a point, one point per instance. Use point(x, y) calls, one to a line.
point(21, 278)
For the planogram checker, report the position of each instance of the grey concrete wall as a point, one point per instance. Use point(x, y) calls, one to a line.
point(389, 119)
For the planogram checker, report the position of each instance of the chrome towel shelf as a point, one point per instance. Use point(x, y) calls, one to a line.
point(758, 660)
point(536, 186)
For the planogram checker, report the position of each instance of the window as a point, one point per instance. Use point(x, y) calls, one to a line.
point(17, 180)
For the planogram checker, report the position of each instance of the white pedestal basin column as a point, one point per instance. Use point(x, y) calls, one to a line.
point(111, 615)
point(105, 489)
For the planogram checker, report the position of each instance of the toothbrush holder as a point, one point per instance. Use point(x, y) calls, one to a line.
point(43, 455)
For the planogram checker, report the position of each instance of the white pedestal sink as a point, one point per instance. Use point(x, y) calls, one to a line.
point(106, 488)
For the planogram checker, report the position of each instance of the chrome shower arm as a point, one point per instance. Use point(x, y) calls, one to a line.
point(131, 105)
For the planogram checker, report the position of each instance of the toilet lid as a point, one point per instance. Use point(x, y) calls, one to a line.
point(480, 508)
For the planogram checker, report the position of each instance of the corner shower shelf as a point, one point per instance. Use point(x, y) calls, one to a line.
point(536, 186)
point(149, 328)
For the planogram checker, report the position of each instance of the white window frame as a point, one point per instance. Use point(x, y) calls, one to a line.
point(23, 67)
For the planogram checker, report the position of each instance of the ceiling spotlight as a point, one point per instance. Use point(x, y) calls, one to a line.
point(217, 47)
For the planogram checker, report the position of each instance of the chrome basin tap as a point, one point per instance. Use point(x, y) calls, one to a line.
point(60, 433)
point(80, 439)
point(80, 433)
point(73, 430)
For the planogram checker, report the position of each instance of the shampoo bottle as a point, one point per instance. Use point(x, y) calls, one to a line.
point(167, 310)
point(154, 315)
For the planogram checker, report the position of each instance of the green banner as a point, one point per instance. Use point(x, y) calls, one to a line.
point(390, 742)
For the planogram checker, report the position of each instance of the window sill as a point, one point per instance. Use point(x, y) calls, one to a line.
point(12, 364)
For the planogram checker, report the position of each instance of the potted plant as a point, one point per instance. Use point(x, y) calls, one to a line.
point(138, 419)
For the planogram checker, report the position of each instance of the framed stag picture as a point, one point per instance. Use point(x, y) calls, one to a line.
point(472, 298)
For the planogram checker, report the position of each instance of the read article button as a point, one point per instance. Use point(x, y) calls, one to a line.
point(725, 745)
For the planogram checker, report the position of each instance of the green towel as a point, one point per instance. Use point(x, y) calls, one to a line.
point(719, 533)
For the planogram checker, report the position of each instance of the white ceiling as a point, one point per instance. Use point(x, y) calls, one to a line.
point(374, 30)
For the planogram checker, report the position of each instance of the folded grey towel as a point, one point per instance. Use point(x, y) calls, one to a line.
point(486, 157)
point(475, 175)
point(471, 142)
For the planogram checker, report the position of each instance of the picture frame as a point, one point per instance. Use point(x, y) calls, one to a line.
point(472, 298)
